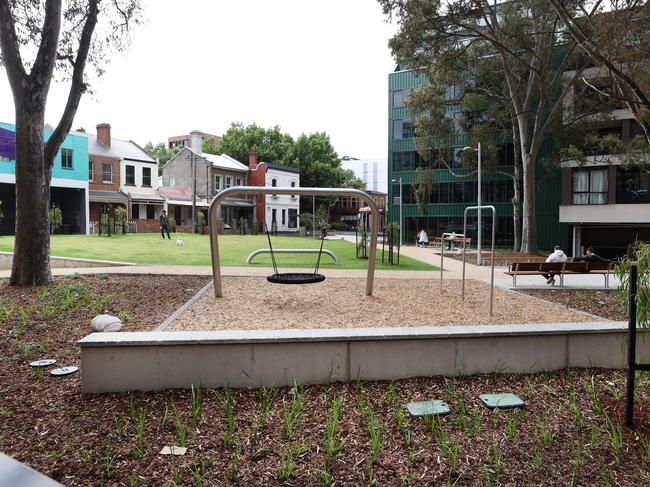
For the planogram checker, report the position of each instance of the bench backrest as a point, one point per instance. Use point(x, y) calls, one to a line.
point(598, 265)
point(524, 266)
point(575, 267)
point(551, 266)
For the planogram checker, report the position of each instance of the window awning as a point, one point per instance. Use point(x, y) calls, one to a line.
point(199, 203)
point(107, 197)
point(148, 199)
point(238, 203)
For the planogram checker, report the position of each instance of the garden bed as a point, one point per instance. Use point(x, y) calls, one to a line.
point(253, 303)
point(606, 303)
point(569, 431)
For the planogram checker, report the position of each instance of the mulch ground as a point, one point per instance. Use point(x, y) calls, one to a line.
point(342, 434)
point(605, 303)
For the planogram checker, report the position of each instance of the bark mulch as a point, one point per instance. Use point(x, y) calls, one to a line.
point(606, 303)
point(342, 434)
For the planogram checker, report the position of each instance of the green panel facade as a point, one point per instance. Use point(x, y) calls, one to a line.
point(453, 194)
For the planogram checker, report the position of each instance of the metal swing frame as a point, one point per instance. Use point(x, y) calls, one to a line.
point(213, 218)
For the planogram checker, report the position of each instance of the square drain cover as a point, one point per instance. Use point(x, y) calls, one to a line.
point(501, 401)
point(428, 408)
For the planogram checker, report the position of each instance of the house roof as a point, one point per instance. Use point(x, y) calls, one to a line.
point(282, 167)
point(121, 149)
point(178, 194)
point(224, 161)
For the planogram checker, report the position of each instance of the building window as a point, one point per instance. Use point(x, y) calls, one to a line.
point(284, 217)
point(589, 187)
point(403, 129)
point(228, 181)
point(293, 218)
point(66, 158)
point(90, 171)
point(146, 177)
point(632, 185)
point(151, 212)
point(130, 175)
point(107, 173)
point(238, 180)
point(274, 182)
point(400, 97)
point(217, 183)
point(293, 184)
point(135, 211)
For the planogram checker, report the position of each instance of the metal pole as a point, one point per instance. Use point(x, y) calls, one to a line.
point(631, 347)
point(214, 205)
point(479, 256)
point(494, 226)
point(401, 205)
point(442, 258)
point(193, 192)
point(313, 216)
point(462, 288)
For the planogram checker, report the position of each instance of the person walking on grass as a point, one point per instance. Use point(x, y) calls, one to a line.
point(557, 255)
point(164, 225)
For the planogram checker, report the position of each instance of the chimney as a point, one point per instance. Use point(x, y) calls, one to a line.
point(104, 133)
point(195, 141)
point(252, 160)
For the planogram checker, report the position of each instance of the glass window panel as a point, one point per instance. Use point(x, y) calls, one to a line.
point(580, 180)
point(397, 129)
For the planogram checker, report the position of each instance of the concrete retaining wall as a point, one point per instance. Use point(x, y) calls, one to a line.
point(6, 258)
point(115, 362)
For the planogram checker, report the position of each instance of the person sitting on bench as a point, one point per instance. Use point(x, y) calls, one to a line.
point(590, 256)
point(557, 255)
point(423, 238)
point(450, 239)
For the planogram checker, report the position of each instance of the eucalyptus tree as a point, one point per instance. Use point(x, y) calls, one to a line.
point(522, 42)
point(40, 41)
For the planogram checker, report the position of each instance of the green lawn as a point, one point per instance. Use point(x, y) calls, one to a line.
point(149, 248)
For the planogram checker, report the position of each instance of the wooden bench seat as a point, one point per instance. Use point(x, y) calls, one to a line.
point(603, 268)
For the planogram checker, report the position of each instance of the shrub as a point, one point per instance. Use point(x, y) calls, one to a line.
point(56, 220)
point(121, 217)
point(171, 222)
point(341, 226)
point(242, 226)
point(639, 254)
point(255, 227)
point(200, 221)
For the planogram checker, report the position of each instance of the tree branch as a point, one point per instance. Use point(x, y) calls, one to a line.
point(77, 86)
point(10, 51)
point(45, 61)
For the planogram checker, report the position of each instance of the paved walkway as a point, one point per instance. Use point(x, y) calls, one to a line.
point(452, 270)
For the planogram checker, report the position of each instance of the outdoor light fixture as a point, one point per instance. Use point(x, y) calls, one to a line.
point(479, 256)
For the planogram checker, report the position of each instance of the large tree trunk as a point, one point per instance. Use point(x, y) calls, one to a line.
point(529, 221)
point(516, 182)
point(31, 262)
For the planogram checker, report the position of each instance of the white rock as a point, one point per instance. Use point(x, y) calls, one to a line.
point(106, 323)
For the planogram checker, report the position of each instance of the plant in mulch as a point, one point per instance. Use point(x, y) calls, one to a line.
point(639, 254)
point(181, 429)
point(228, 434)
point(288, 466)
point(266, 399)
point(196, 398)
point(332, 443)
point(293, 411)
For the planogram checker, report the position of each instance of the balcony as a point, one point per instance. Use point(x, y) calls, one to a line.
point(616, 213)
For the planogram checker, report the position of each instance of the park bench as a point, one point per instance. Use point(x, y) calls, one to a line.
point(561, 269)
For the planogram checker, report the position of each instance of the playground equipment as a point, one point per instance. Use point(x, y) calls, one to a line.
point(255, 253)
point(295, 277)
point(494, 227)
point(254, 190)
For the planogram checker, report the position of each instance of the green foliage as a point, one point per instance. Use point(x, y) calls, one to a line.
point(161, 152)
point(200, 221)
point(270, 145)
point(56, 220)
point(171, 222)
point(392, 231)
point(122, 218)
point(639, 254)
point(424, 185)
point(209, 146)
point(243, 223)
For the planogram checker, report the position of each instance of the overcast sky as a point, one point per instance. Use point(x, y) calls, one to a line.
point(305, 65)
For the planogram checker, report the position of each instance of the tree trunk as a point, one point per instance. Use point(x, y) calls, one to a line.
point(516, 182)
point(529, 220)
point(31, 262)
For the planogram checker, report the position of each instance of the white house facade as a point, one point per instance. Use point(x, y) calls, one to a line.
point(283, 209)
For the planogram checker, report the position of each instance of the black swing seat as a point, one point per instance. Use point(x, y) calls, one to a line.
point(295, 278)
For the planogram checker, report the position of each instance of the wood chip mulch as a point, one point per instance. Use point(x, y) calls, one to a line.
point(606, 303)
point(569, 433)
point(253, 303)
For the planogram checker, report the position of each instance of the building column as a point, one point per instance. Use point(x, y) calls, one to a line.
point(577, 241)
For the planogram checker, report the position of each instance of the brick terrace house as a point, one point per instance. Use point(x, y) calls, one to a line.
point(213, 173)
point(347, 207)
point(282, 209)
point(121, 173)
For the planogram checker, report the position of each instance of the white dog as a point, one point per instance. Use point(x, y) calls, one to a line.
point(179, 242)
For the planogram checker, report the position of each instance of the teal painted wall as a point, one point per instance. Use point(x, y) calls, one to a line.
point(550, 231)
point(79, 146)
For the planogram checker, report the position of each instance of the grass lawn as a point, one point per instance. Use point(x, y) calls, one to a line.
point(149, 248)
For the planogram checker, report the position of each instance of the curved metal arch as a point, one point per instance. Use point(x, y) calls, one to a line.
point(213, 220)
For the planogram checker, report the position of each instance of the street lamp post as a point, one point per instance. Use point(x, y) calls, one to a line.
point(401, 204)
point(479, 256)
